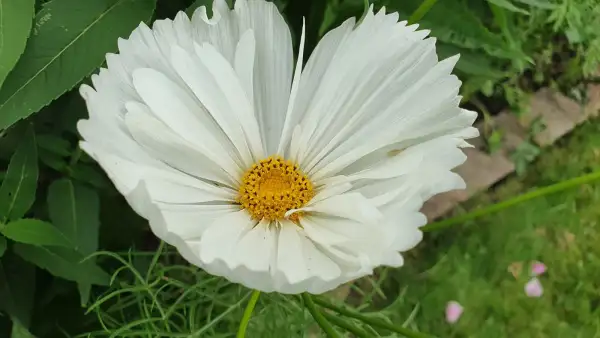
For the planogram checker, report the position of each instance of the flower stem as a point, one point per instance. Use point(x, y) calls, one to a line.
point(247, 314)
point(318, 316)
point(564, 185)
point(371, 321)
point(348, 326)
point(420, 12)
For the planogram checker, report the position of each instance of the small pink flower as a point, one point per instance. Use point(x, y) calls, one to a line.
point(453, 312)
point(537, 268)
point(534, 288)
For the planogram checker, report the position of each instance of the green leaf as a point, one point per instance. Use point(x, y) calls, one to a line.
point(63, 262)
point(54, 144)
point(3, 245)
point(15, 23)
point(545, 4)
point(17, 288)
point(471, 62)
point(75, 210)
point(20, 331)
point(17, 192)
point(89, 174)
point(506, 4)
point(69, 41)
point(36, 232)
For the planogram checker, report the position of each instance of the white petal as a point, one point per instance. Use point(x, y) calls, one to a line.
point(255, 248)
point(164, 97)
point(165, 145)
point(273, 65)
point(220, 239)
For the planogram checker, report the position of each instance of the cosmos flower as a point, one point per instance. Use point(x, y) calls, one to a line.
point(534, 288)
point(538, 268)
point(453, 312)
point(279, 177)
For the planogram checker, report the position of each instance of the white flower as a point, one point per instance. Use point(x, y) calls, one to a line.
point(277, 178)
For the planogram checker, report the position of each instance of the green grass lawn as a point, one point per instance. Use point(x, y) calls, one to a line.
point(469, 263)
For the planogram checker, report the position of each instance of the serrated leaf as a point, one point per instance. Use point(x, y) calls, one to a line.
point(3, 245)
point(17, 288)
point(75, 210)
point(69, 41)
point(35, 232)
point(15, 24)
point(17, 192)
point(63, 262)
point(506, 4)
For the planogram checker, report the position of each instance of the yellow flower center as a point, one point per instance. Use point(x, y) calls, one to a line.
point(273, 186)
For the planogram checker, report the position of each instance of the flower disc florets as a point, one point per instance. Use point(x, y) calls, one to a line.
point(273, 186)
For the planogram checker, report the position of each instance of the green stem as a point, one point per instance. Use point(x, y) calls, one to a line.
point(318, 316)
point(371, 321)
point(344, 324)
point(420, 12)
point(248, 314)
point(564, 185)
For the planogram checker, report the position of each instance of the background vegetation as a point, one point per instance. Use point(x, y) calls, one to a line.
point(57, 207)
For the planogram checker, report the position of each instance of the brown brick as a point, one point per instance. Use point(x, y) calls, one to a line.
point(480, 171)
point(558, 113)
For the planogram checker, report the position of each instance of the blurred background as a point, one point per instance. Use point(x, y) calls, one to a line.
point(530, 68)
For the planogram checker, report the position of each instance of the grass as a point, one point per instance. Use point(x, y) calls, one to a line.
point(467, 263)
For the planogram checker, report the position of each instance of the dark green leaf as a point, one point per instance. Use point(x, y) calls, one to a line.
point(2, 245)
point(54, 144)
point(52, 160)
point(15, 23)
point(17, 192)
point(20, 331)
point(63, 262)
point(75, 210)
point(36, 232)
point(471, 62)
point(69, 41)
point(89, 174)
point(17, 288)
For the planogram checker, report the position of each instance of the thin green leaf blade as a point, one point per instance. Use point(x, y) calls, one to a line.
point(63, 262)
point(16, 17)
point(35, 232)
point(544, 4)
point(75, 210)
point(64, 48)
point(506, 4)
point(17, 192)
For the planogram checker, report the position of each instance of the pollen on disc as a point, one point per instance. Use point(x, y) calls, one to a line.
point(273, 186)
